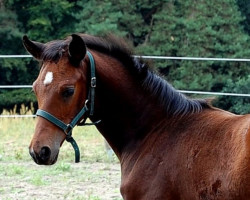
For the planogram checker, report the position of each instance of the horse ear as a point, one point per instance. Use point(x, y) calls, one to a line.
point(34, 48)
point(77, 50)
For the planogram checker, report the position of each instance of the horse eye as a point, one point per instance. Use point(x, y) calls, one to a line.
point(68, 92)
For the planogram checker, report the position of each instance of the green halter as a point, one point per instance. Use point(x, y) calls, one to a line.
point(67, 128)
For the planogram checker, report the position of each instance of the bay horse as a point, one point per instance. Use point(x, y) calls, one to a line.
point(170, 147)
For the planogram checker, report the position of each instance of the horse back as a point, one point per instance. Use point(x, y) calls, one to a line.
point(216, 153)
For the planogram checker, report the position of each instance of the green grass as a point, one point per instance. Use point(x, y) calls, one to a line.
point(95, 177)
point(16, 135)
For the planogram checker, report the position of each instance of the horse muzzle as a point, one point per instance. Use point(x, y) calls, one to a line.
point(44, 156)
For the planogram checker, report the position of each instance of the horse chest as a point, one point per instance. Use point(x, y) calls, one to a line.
point(142, 186)
point(146, 180)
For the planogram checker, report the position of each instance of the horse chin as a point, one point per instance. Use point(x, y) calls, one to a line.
point(49, 162)
point(53, 161)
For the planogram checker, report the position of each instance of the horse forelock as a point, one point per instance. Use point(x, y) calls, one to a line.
point(54, 50)
point(109, 44)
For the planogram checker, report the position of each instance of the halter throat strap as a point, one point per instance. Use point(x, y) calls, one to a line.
point(67, 128)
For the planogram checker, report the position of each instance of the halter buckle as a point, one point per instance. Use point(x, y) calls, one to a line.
point(93, 82)
point(68, 130)
point(86, 103)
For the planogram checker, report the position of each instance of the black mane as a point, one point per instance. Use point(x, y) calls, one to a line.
point(172, 101)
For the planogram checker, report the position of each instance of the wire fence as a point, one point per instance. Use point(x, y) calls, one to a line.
point(17, 116)
point(14, 86)
point(194, 58)
point(145, 57)
point(15, 56)
point(182, 91)
point(158, 58)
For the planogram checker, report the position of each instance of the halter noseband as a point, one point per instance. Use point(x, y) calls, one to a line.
point(67, 128)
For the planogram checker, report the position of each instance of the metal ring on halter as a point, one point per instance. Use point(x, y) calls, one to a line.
point(86, 102)
point(68, 130)
point(93, 82)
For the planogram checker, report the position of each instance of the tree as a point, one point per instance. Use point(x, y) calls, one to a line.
point(13, 71)
point(130, 19)
point(169, 27)
point(200, 29)
point(236, 104)
point(41, 20)
point(45, 20)
point(244, 7)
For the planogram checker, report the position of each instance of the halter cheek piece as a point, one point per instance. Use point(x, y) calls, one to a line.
point(67, 128)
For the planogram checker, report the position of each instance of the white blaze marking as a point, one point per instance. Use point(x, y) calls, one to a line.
point(48, 78)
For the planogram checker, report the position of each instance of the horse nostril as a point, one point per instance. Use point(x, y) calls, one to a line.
point(32, 154)
point(45, 154)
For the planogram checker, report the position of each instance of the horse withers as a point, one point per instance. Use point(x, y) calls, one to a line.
point(170, 147)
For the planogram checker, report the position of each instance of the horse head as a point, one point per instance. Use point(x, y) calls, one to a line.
point(60, 91)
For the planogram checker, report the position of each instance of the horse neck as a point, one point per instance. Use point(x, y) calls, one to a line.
point(126, 111)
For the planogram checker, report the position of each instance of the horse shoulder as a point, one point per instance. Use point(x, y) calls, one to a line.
point(204, 155)
point(240, 151)
point(144, 173)
point(245, 134)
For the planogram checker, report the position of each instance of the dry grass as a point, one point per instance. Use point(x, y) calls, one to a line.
point(96, 177)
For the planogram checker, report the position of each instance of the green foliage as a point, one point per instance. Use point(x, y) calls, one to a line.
point(201, 29)
point(45, 19)
point(124, 18)
point(8, 99)
point(24, 17)
point(14, 71)
point(244, 7)
point(240, 105)
point(105, 21)
point(170, 27)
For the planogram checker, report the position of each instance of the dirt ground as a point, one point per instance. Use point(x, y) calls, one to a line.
point(81, 181)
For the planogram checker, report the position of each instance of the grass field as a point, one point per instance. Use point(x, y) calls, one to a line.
point(96, 177)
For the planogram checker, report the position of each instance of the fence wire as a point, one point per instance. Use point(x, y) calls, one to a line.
point(145, 57)
point(182, 91)
point(158, 58)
